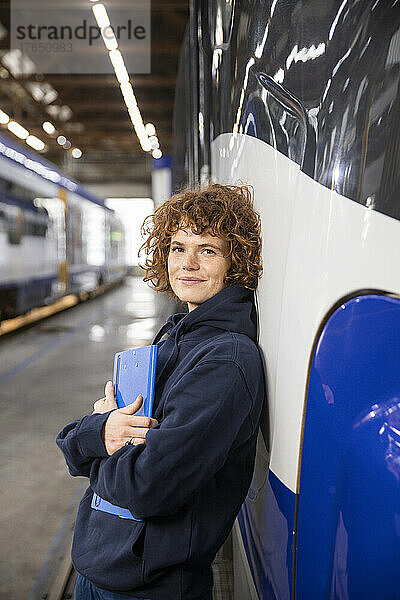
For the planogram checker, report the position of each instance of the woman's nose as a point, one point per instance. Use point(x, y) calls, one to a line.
point(190, 262)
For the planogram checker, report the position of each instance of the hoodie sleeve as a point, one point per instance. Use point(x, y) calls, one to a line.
point(204, 413)
point(81, 442)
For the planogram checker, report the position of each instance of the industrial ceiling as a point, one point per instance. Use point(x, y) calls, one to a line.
point(89, 109)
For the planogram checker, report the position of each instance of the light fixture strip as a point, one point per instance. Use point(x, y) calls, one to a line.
point(35, 143)
point(117, 61)
point(4, 119)
point(22, 133)
point(48, 127)
point(119, 66)
point(32, 141)
point(18, 130)
point(101, 16)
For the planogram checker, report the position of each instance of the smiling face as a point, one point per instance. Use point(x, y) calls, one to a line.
point(197, 266)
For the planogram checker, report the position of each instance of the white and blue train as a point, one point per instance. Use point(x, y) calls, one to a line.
point(301, 99)
point(55, 237)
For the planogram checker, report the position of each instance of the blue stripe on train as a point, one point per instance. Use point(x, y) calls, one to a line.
point(348, 526)
point(32, 161)
point(266, 524)
point(348, 544)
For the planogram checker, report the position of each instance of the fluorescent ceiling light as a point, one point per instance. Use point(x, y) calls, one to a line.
point(42, 92)
point(143, 139)
point(119, 66)
point(34, 142)
point(150, 129)
point(140, 130)
point(146, 146)
point(48, 127)
point(76, 153)
point(4, 119)
point(122, 75)
point(18, 130)
point(135, 115)
point(156, 153)
point(63, 113)
point(61, 140)
point(128, 94)
point(18, 64)
point(101, 16)
point(109, 38)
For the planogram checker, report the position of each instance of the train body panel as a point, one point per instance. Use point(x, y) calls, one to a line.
point(348, 540)
point(55, 237)
point(31, 256)
point(307, 229)
point(301, 100)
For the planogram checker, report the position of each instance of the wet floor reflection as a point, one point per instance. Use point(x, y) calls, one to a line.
point(57, 371)
point(133, 319)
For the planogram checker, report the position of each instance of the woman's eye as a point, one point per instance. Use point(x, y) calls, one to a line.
point(208, 250)
point(176, 248)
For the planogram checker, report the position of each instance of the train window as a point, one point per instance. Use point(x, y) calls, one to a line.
point(75, 235)
point(18, 219)
point(36, 222)
point(15, 225)
point(3, 220)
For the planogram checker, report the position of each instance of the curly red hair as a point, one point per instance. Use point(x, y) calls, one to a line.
point(225, 211)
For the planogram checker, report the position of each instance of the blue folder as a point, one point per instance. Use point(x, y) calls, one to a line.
point(134, 374)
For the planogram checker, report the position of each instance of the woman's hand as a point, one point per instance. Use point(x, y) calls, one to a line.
point(108, 403)
point(123, 426)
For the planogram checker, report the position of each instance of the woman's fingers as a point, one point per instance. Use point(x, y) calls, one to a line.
point(136, 441)
point(142, 421)
point(121, 427)
point(110, 402)
point(130, 409)
point(138, 432)
point(109, 391)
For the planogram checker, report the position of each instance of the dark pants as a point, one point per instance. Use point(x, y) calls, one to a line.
point(85, 590)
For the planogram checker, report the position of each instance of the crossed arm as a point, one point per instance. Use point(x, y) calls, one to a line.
point(104, 432)
point(200, 426)
point(122, 425)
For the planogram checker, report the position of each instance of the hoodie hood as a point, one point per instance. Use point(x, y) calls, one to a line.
point(232, 309)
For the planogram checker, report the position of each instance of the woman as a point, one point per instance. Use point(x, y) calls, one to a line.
point(186, 472)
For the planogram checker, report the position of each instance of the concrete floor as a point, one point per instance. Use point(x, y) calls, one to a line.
point(50, 375)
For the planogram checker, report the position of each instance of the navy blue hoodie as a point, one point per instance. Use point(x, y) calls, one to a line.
point(189, 480)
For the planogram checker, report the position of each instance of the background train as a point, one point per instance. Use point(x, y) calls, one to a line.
point(55, 237)
point(301, 100)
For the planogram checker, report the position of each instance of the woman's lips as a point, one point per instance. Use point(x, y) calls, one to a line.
point(190, 281)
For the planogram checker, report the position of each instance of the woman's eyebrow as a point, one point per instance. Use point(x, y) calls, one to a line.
point(209, 246)
point(199, 245)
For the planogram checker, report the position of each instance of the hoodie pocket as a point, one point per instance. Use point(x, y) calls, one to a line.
point(138, 540)
point(108, 550)
point(167, 542)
